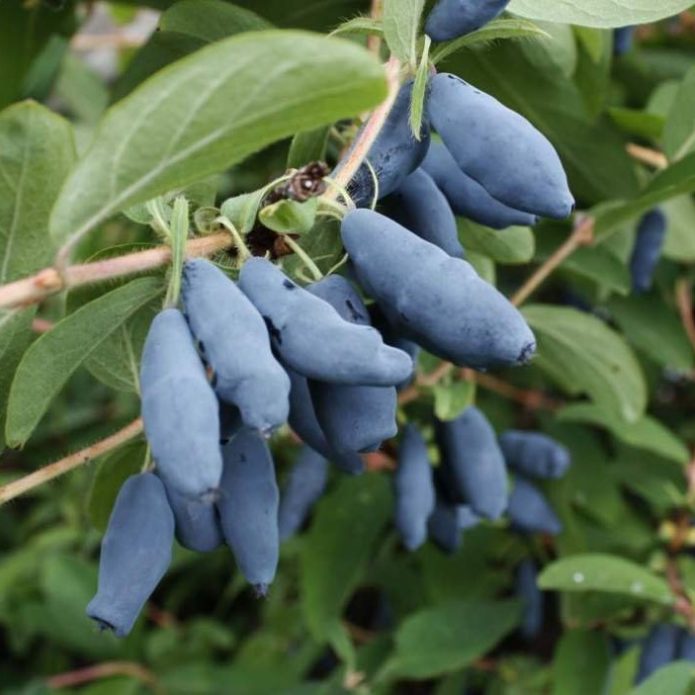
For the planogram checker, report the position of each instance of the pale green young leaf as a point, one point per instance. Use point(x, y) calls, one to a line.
point(308, 146)
point(365, 26)
point(289, 216)
point(497, 29)
point(677, 678)
point(210, 110)
point(417, 101)
point(55, 356)
point(514, 245)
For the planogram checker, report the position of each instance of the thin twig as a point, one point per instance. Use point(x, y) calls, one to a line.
point(374, 42)
point(48, 281)
point(91, 42)
point(583, 235)
point(368, 135)
point(646, 155)
point(41, 325)
point(54, 470)
point(684, 300)
point(97, 672)
point(682, 603)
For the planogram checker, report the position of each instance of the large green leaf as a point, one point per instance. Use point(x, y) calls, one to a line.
point(210, 110)
point(55, 356)
point(605, 573)
point(598, 13)
point(449, 637)
point(679, 131)
point(645, 433)
point(210, 20)
point(585, 356)
point(336, 550)
point(36, 154)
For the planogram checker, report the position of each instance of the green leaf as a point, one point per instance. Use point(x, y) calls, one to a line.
point(248, 91)
point(677, 678)
point(451, 399)
point(645, 433)
point(308, 146)
point(584, 355)
point(598, 13)
point(36, 153)
point(449, 637)
point(605, 573)
point(640, 123)
point(289, 216)
point(581, 663)
point(110, 475)
point(55, 356)
point(679, 131)
point(210, 20)
point(511, 246)
point(655, 329)
point(364, 26)
point(680, 240)
point(678, 179)
point(401, 27)
point(340, 543)
point(417, 104)
point(493, 31)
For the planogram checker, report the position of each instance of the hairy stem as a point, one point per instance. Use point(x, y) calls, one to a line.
point(48, 281)
point(583, 235)
point(368, 135)
point(54, 470)
point(376, 12)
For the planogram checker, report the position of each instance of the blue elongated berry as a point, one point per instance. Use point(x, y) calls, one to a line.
point(197, 524)
point(534, 454)
point(450, 19)
point(526, 589)
point(304, 422)
point(135, 553)
point(529, 510)
point(312, 339)
point(179, 408)
point(236, 345)
point(395, 153)
point(352, 418)
point(443, 528)
point(500, 149)
point(421, 207)
point(660, 648)
point(414, 487)
point(646, 252)
point(393, 337)
point(438, 301)
point(305, 484)
point(248, 508)
point(686, 646)
point(472, 470)
point(466, 517)
point(622, 40)
point(466, 196)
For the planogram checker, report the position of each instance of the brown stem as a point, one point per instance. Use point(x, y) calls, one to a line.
point(583, 235)
point(54, 470)
point(368, 135)
point(41, 325)
point(684, 300)
point(645, 155)
point(97, 672)
point(374, 42)
point(530, 399)
point(48, 281)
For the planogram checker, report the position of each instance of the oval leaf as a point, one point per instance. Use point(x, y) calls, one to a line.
point(55, 356)
point(210, 110)
point(599, 13)
point(605, 573)
point(585, 356)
